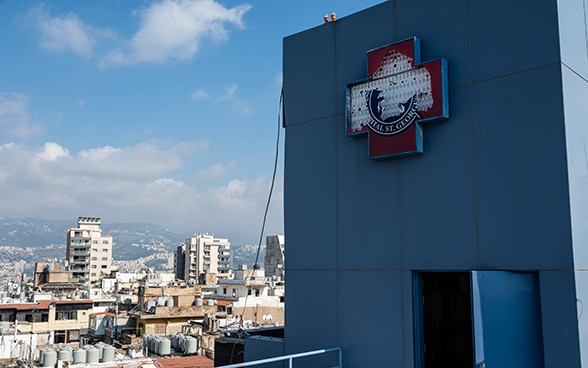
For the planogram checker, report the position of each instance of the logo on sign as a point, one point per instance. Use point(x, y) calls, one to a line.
point(400, 94)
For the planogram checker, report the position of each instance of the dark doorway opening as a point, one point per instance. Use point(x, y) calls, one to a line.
point(447, 320)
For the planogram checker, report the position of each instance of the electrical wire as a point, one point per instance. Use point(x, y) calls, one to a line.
point(269, 198)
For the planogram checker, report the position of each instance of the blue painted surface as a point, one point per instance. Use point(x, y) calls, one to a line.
point(507, 328)
point(438, 183)
point(558, 307)
point(491, 191)
point(435, 22)
point(310, 175)
point(523, 204)
point(510, 36)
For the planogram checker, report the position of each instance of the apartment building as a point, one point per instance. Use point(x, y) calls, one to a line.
point(88, 252)
point(205, 254)
point(274, 256)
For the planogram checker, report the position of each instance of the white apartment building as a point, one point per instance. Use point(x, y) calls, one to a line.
point(88, 252)
point(205, 254)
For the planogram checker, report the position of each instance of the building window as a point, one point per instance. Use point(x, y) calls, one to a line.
point(65, 316)
point(256, 292)
point(104, 241)
point(234, 292)
point(248, 291)
point(94, 249)
point(104, 266)
point(73, 335)
point(105, 258)
point(225, 291)
point(93, 266)
point(105, 250)
point(59, 337)
point(93, 274)
point(94, 241)
point(94, 258)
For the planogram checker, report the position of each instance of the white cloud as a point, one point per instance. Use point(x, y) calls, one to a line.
point(132, 184)
point(64, 33)
point(52, 152)
point(228, 94)
point(216, 171)
point(15, 120)
point(200, 94)
point(175, 30)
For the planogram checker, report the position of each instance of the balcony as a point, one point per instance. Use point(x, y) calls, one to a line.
point(80, 253)
point(79, 261)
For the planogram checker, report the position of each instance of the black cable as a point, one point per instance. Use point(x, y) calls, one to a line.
point(269, 198)
point(255, 265)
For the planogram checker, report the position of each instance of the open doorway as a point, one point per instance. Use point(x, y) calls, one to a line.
point(478, 318)
point(446, 320)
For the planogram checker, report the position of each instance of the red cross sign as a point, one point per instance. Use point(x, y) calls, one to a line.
point(400, 94)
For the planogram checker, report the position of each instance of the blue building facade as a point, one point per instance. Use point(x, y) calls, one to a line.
point(472, 252)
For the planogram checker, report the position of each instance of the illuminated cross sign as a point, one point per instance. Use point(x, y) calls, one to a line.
point(399, 95)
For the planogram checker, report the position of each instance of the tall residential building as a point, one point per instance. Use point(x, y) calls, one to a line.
point(206, 254)
point(274, 256)
point(88, 252)
point(180, 262)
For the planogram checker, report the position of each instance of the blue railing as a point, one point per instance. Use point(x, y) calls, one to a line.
point(289, 358)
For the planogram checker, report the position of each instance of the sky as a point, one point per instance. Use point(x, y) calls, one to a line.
point(159, 111)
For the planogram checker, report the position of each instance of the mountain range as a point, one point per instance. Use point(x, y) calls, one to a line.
point(38, 240)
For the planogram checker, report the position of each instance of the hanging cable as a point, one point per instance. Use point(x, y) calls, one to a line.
point(255, 265)
point(269, 198)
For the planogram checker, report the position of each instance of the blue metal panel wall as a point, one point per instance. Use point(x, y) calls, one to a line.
point(489, 192)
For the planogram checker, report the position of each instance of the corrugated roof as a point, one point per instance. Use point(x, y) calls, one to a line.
point(185, 362)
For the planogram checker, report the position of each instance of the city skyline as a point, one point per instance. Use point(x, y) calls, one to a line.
point(163, 112)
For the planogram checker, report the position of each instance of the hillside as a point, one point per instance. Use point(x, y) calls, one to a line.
point(36, 240)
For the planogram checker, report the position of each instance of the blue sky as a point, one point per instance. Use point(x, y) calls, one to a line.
point(147, 111)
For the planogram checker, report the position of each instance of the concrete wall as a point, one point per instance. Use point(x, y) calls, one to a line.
point(490, 192)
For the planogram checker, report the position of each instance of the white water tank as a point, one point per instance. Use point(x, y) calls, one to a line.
point(108, 353)
point(50, 358)
point(64, 354)
point(92, 355)
point(164, 347)
point(190, 345)
point(79, 356)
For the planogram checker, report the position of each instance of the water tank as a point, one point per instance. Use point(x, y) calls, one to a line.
point(169, 303)
point(175, 340)
point(160, 301)
point(92, 355)
point(164, 347)
point(51, 267)
point(199, 302)
point(79, 356)
point(190, 345)
point(108, 353)
point(128, 301)
point(209, 302)
point(50, 358)
point(41, 356)
point(64, 354)
point(100, 346)
point(153, 342)
point(150, 304)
